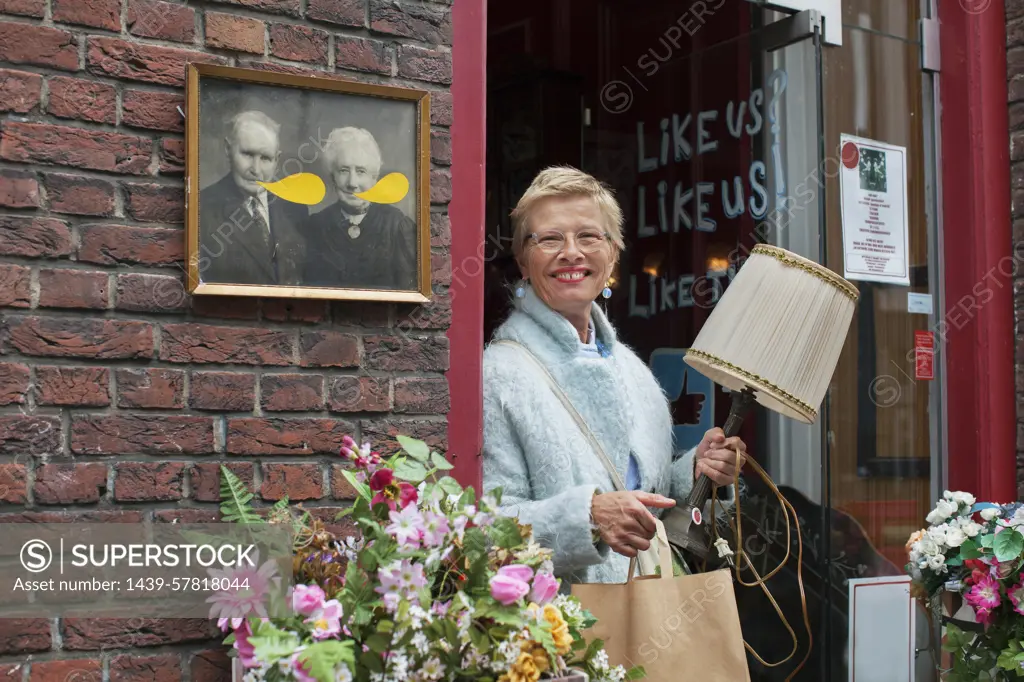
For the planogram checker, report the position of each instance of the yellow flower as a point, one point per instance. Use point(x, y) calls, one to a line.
point(536, 650)
point(524, 670)
point(503, 678)
point(559, 629)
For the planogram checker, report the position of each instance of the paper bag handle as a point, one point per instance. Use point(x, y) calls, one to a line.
point(664, 554)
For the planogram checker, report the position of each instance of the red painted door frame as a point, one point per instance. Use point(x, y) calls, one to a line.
point(465, 335)
point(978, 324)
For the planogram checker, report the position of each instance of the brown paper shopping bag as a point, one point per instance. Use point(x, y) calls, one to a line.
point(680, 629)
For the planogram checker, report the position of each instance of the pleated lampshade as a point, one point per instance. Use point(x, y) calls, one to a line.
point(778, 329)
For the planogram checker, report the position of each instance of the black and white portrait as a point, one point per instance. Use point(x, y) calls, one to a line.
point(322, 192)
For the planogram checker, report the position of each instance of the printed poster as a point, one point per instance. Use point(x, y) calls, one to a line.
point(876, 228)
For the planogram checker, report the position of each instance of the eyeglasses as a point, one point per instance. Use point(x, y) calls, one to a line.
point(553, 241)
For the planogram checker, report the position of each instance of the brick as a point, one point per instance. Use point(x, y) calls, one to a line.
point(15, 286)
point(75, 147)
point(34, 237)
point(328, 349)
point(421, 396)
point(165, 20)
point(82, 99)
point(421, 64)
point(252, 436)
point(406, 353)
point(126, 668)
point(151, 388)
point(291, 392)
point(19, 189)
point(288, 310)
point(121, 434)
point(286, 7)
point(238, 345)
point(441, 268)
point(296, 481)
point(308, 70)
point(437, 314)
point(23, 636)
point(299, 43)
point(187, 516)
point(381, 433)
point(153, 110)
point(138, 62)
point(225, 391)
point(70, 483)
point(172, 156)
point(72, 289)
point(91, 516)
point(440, 186)
point(70, 670)
point(441, 113)
point(341, 12)
point(13, 489)
point(361, 313)
point(148, 481)
point(359, 394)
point(14, 383)
point(441, 147)
point(78, 337)
point(96, 13)
point(123, 245)
point(38, 46)
point(76, 386)
point(1014, 33)
point(28, 8)
point(20, 91)
point(211, 665)
point(233, 32)
point(36, 435)
point(362, 54)
point(155, 203)
point(151, 293)
point(226, 307)
point(205, 478)
point(90, 634)
point(77, 195)
point(419, 22)
point(340, 528)
point(341, 489)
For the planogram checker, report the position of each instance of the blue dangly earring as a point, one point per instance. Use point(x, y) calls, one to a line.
point(521, 290)
point(607, 292)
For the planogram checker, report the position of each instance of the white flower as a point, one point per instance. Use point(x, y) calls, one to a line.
point(937, 562)
point(601, 660)
point(955, 537)
point(928, 546)
point(943, 510)
point(915, 556)
point(344, 674)
point(963, 498)
point(990, 513)
point(970, 528)
point(938, 533)
point(421, 643)
point(399, 665)
point(432, 669)
point(946, 495)
point(418, 617)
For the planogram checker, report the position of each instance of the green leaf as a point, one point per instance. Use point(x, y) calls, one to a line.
point(378, 642)
point(371, 662)
point(955, 561)
point(505, 533)
point(969, 550)
point(417, 449)
point(450, 486)
point(235, 498)
point(987, 540)
point(362, 489)
point(637, 672)
point(321, 659)
point(411, 471)
point(440, 462)
point(1008, 545)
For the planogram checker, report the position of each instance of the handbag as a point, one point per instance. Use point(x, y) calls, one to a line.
point(651, 620)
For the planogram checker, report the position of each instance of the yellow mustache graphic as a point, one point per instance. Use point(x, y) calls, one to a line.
point(309, 189)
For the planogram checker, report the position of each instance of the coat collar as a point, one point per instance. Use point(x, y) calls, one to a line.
point(559, 331)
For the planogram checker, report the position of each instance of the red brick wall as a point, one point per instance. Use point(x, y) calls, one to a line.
point(119, 394)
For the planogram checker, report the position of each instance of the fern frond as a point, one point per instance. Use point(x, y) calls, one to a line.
point(235, 499)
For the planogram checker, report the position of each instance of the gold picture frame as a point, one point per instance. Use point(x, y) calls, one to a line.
point(305, 253)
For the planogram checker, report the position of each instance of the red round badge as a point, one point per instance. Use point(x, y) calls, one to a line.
point(695, 515)
point(851, 155)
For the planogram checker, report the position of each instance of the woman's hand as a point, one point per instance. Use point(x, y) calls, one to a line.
point(623, 520)
point(716, 457)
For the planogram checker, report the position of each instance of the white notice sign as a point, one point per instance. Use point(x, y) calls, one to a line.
point(873, 186)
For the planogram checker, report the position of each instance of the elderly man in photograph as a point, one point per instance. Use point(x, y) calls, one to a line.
point(247, 236)
point(353, 243)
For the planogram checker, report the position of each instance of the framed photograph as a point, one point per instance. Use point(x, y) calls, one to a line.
point(306, 187)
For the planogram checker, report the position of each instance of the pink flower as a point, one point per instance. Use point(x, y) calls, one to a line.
point(517, 571)
point(406, 527)
point(440, 608)
point(508, 590)
point(435, 527)
point(246, 651)
point(299, 669)
point(1016, 595)
point(984, 597)
point(545, 587)
point(307, 599)
point(226, 624)
point(326, 620)
point(387, 491)
point(247, 588)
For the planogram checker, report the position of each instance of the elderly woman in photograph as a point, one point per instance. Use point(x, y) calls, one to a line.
point(567, 239)
point(354, 243)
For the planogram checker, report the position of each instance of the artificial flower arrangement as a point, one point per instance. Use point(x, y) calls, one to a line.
point(439, 586)
point(976, 551)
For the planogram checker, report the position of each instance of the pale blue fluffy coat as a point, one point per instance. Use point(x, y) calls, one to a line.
point(535, 452)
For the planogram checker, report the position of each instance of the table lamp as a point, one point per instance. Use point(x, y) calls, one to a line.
point(774, 338)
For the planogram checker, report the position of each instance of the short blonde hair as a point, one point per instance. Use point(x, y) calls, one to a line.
point(562, 181)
